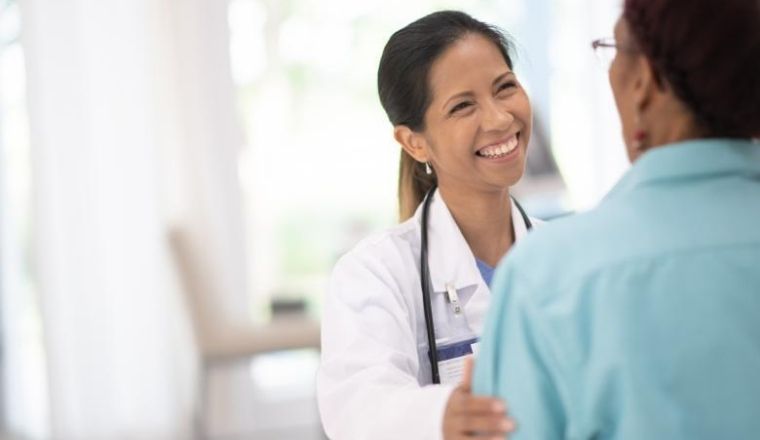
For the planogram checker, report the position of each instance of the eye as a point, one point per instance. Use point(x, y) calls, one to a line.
point(459, 107)
point(507, 85)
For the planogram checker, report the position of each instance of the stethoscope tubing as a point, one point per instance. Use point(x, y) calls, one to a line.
point(426, 282)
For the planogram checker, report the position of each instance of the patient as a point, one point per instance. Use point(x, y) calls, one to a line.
point(641, 318)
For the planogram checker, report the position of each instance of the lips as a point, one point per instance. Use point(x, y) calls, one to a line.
point(499, 149)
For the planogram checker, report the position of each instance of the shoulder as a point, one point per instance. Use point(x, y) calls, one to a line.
point(562, 251)
point(566, 233)
point(385, 253)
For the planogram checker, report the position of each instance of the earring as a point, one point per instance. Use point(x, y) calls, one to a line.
point(639, 135)
point(428, 170)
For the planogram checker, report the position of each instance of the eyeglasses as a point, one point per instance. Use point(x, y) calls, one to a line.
point(605, 50)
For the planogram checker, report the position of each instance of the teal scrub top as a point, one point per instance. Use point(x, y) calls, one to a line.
point(641, 318)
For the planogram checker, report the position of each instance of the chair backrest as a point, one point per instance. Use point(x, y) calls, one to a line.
point(197, 285)
point(216, 335)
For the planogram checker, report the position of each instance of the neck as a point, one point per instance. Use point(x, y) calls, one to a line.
point(676, 124)
point(485, 219)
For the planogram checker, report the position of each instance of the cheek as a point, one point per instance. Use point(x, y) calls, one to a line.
point(524, 112)
point(528, 112)
point(448, 141)
point(619, 79)
point(624, 107)
point(460, 131)
point(523, 108)
point(618, 92)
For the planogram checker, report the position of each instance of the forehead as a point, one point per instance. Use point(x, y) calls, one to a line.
point(470, 61)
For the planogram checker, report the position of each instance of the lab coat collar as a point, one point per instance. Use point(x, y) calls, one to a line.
point(449, 256)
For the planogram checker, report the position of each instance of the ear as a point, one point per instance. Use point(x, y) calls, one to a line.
point(647, 86)
point(412, 142)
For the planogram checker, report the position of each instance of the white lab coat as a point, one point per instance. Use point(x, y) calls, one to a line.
point(374, 381)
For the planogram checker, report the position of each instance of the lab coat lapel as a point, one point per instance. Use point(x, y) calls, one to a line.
point(450, 258)
point(452, 262)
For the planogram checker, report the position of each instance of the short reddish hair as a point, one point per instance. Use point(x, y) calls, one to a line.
point(708, 52)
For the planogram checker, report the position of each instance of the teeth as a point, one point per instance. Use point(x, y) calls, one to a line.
point(500, 150)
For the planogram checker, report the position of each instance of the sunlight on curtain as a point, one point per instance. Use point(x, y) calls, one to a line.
point(23, 358)
point(586, 129)
point(118, 349)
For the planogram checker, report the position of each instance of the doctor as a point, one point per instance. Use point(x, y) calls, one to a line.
point(463, 122)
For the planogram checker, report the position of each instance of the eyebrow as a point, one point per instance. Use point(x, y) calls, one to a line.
point(468, 93)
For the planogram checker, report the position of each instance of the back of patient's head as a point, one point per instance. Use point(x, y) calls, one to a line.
point(708, 53)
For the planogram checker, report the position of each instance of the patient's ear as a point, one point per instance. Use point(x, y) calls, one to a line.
point(647, 86)
point(412, 142)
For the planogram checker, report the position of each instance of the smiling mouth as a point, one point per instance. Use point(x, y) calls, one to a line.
point(500, 149)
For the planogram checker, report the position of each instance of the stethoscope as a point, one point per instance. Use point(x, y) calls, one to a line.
point(426, 283)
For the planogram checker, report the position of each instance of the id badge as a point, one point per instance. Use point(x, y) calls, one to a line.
point(451, 359)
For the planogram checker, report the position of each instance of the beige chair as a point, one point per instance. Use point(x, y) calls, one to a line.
point(219, 342)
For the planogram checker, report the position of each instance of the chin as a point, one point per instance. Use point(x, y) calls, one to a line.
point(513, 179)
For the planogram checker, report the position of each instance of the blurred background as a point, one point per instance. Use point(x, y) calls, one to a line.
point(177, 178)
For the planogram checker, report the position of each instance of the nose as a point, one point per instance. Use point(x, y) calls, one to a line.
point(496, 116)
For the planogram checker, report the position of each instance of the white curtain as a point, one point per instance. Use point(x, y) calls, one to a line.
point(586, 132)
point(132, 130)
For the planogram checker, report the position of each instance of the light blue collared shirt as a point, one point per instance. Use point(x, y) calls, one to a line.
point(641, 318)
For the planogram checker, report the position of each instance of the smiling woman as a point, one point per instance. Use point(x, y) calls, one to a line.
point(475, 117)
point(393, 364)
point(410, 107)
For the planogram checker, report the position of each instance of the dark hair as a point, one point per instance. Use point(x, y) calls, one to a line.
point(404, 89)
point(708, 52)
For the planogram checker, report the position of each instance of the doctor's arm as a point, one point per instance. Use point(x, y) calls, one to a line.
point(516, 362)
point(368, 386)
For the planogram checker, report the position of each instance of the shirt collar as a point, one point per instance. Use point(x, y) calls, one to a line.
point(691, 159)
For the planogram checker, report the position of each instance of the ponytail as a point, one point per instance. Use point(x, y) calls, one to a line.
point(413, 183)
